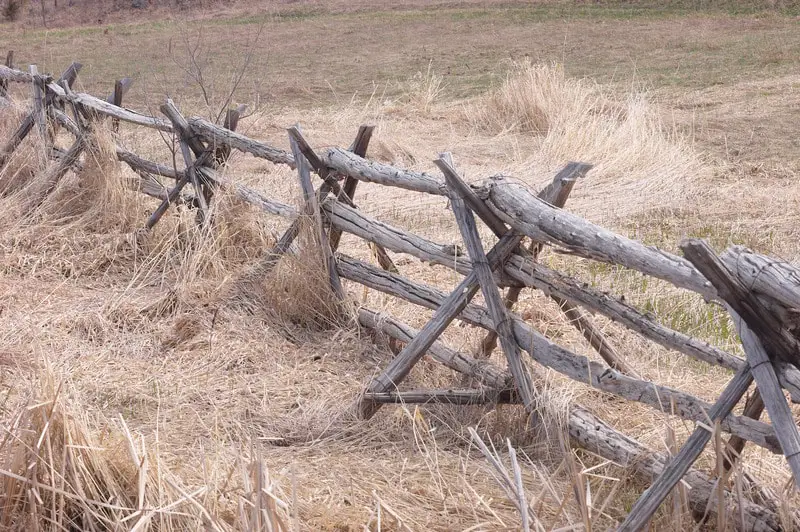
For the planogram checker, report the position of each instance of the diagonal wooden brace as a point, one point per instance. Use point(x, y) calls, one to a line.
point(741, 302)
point(491, 293)
point(273, 256)
point(69, 76)
point(765, 343)
point(400, 366)
point(555, 193)
point(651, 499)
point(359, 147)
point(189, 144)
point(328, 177)
point(311, 207)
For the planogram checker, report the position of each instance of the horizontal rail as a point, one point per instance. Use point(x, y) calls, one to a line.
point(574, 366)
point(522, 210)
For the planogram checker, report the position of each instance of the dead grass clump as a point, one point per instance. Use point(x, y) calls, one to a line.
point(28, 158)
point(240, 228)
point(424, 89)
point(98, 196)
point(59, 474)
point(639, 163)
point(296, 291)
point(527, 99)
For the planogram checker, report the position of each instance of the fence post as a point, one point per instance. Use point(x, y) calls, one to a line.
point(117, 97)
point(4, 82)
point(38, 103)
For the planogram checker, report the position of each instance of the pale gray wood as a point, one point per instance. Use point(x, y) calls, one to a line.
point(593, 434)
point(482, 371)
point(316, 163)
point(181, 127)
point(576, 367)
point(330, 179)
point(359, 147)
point(116, 97)
point(17, 76)
point(216, 136)
point(272, 257)
point(311, 208)
point(647, 505)
point(449, 309)
point(783, 417)
point(458, 186)
point(491, 293)
point(124, 85)
point(188, 143)
point(231, 122)
point(357, 223)
point(517, 206)
point(789, 377)
point(68, 76)
point(450, 397)
point(100, 106)
point(765, 275)
point(744, 302)
point(348, 163)
point(779, 412)
point(557, 192)
point(760, 333)
point(148, 185)
point(39, 116)
point(554, 283)
point(67, 79)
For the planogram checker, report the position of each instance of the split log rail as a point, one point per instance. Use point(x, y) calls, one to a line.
point(762, 294)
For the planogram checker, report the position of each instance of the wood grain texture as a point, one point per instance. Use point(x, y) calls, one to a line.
point(491, 293)
point(217, 136)
point(764, 341)
point(517, 206)
point(577, 367)
point(482, 371)
point(447, 311)
point(593, 434)
point(647, 505)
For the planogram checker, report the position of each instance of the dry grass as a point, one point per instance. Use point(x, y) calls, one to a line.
point(635, 155)
point(63, 470)
point(218, 382)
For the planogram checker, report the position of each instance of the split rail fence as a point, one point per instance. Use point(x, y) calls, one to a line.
point(761, 294)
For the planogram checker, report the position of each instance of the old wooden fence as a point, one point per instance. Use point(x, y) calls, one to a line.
point(761, 294)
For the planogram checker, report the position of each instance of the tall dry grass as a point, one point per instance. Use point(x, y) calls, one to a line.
point(64, 469)
point(640, 161)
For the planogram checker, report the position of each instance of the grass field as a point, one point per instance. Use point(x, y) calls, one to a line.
point(126, 349)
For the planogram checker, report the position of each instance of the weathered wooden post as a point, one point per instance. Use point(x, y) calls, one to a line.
point(4, 82)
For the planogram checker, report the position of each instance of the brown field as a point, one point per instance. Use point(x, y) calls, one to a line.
point(131, 355)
